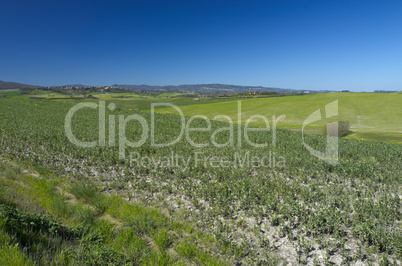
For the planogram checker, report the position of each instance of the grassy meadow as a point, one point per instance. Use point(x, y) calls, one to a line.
point(372, 116)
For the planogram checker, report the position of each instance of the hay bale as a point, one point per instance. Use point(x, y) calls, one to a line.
point(337, 129)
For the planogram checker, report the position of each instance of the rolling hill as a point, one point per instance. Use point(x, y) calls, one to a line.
point(4, 85)
point(203, 88)
point(373, 116)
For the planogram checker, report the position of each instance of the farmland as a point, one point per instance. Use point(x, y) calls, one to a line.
point(187, 204)
point(371, 115)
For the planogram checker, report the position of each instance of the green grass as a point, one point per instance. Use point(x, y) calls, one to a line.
point(39, 225)
point(375, 113)
point(43, 93)
point(87, 192)
point(10, 93)
point(388, 137)
point(144, 103)
point(10, 253)
point(116, 96)
point(170, 94)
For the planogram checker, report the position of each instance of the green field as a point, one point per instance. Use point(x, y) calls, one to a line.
point(372, 116)
point(234, 204)
point(144, 102)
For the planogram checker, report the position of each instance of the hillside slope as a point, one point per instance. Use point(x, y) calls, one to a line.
point(379, 113)
point(4, 85)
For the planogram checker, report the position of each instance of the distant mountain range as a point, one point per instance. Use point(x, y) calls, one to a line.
point(14, 85)
point(201, 88)
point(195, 88)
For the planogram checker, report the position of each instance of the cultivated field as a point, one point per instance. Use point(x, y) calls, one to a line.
point(186, 204)
point(372, 116)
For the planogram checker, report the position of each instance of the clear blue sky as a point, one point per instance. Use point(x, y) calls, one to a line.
point(304, 44)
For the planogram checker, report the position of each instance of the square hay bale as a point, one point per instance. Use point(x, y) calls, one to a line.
point(337, 129)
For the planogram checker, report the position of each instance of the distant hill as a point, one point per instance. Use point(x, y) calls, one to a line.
point(74, 86)
point(202, 88)
point(192, 88)
point(14, 85)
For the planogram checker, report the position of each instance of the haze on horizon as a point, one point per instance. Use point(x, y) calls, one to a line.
point(306, 44)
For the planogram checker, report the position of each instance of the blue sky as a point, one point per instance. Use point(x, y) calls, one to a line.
point(304, 44)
